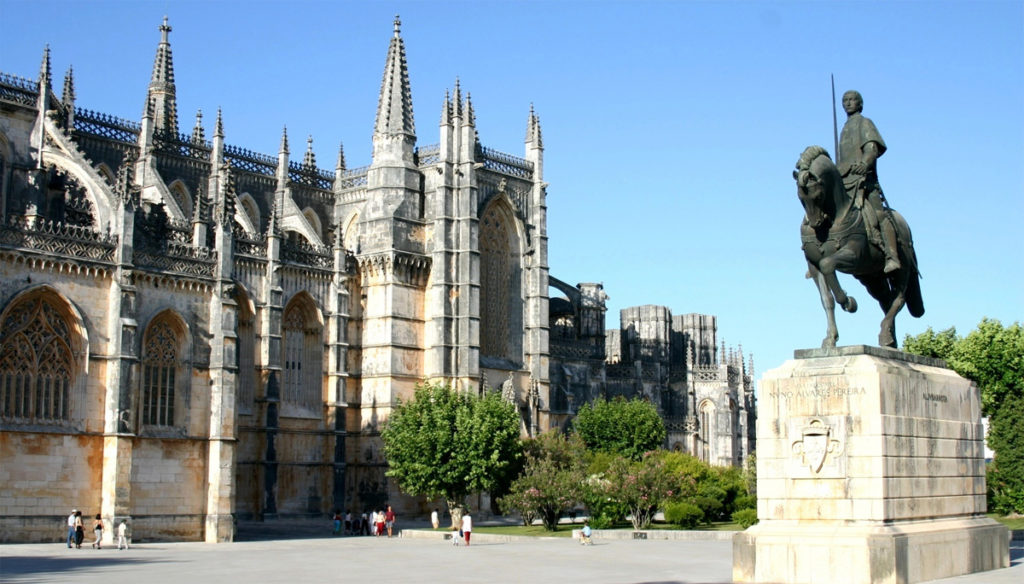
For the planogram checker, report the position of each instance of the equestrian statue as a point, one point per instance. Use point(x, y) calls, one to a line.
point(848, 227)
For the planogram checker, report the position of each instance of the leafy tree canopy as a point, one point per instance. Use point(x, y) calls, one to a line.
point(443, 443)
point(991, 355)
point(629, 428)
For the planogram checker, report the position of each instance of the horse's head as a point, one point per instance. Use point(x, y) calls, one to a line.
point(816, 180)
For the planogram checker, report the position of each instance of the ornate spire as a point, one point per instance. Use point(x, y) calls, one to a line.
point(309, 160)
point(470, 116)
point(45, 79)
point(533, 135)
point(394, 108)
point(284, 141)
point(457, 99)
point(340, 166)
point(198, 134)
point(68, 95)
point(218, 127)
point(161, 85)
point(446, 109)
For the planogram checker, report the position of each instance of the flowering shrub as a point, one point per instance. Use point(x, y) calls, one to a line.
point(642, 486)
point(552, 480)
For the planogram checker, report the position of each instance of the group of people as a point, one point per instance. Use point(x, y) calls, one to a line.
point(377, 522)
point(76, 532)
point(464, 526)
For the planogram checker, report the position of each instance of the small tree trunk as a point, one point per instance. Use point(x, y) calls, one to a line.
point(455, 510)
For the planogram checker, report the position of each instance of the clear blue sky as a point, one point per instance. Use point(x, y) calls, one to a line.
point(671, 128)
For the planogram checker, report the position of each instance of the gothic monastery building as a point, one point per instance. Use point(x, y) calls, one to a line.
point(192, 333)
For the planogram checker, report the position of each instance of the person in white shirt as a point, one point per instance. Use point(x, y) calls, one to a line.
point(467, 526)
point(71, 527)
point(122, 539)
point(433, 519)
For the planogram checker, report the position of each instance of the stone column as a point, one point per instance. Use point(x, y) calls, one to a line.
point(122, 327)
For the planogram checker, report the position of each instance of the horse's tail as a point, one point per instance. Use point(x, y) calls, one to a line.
point(908, 257)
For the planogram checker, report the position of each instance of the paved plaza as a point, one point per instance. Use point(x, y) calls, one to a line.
point(306, 558)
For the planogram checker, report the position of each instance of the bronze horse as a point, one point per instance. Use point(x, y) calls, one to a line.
point(834, 239)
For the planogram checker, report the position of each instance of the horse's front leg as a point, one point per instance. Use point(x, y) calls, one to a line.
point(829, 304)
point(842, 258)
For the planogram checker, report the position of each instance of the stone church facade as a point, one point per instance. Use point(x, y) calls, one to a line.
point(193, 333)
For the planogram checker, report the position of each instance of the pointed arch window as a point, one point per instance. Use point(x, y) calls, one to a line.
point(302, 375)
point(707, 417)
point(500, 295)
point(161, 374)
point(37, 363)
point(246, 356)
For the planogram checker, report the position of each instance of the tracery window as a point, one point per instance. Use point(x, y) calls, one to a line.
point(37, 365)
point(159, 374)
point(302, 378)
point(495, 280)
point(246, 358)
point(707, 416)
point(179, 191)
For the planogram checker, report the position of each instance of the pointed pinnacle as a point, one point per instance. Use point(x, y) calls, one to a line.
point(309, 159)
point(398, 26)
point(284, 141)
point(44, 68)
point(457, 98)
point(470, 116)
point(341, 157)
point(446, 109)
point(218, 128)
point(68, 95)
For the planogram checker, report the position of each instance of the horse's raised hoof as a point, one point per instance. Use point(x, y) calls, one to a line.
point(850, 305)
point(886, 340)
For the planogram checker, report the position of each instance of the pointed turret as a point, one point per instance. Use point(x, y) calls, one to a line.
point(45, 81)
point(67, 97)
point(533, 134)
point(470, 116)
point(457, 99)
point(394, 109)
point(446, 110)
point(198, 134)
point(218, 127)
point(309, 159)
point(282, 161)
point(161, 85)
point(340, 165)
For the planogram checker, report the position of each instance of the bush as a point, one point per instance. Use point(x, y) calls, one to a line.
point(745, 502)
point(711, 508)
point(745, 517)
point(685, 515)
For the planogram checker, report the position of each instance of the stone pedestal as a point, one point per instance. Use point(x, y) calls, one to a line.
point(870, 466)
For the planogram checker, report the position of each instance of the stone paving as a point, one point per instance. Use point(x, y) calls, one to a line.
point(302, 557)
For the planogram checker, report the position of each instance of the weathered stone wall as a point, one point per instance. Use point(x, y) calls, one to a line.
point(44, 476)
point(167, 484)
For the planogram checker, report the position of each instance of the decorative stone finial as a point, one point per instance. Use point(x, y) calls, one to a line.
point(309, 160)
point(284, 141)
point(198, 134)
point(44, 68)
point(398, 26)
point(218, 127)
point(341, 157)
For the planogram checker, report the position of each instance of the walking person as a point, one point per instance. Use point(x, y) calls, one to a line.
point(97, 529)
point(389, 519)
point(378, 521)
point(79, 530)
point(71, 528)
point(467, 525)
point(122, 538)
point(434, 519)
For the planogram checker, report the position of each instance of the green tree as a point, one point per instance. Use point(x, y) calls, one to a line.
point(993, 357)
point(630, 428)
point(445, 443)
point(643, 486)
point(552, 479)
